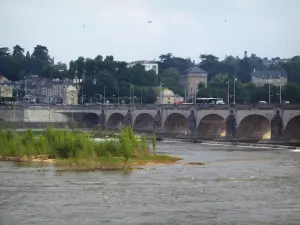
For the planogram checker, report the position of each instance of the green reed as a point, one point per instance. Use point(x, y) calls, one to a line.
point(64, 144)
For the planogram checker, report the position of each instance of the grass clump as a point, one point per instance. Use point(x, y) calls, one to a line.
point(77, 150)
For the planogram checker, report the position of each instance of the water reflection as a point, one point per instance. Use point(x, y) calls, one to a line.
point(241, 187)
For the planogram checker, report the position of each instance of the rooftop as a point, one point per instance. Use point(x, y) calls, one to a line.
point(143, 62)
point(269, 73)
point(194, 70)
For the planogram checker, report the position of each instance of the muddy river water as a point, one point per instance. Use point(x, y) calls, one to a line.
point(236, 186)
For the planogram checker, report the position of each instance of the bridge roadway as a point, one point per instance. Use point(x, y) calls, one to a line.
point(204, 121)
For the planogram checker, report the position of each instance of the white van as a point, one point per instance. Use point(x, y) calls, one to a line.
point(220, 102)
point(262, 102)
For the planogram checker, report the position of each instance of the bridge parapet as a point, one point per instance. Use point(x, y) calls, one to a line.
point(154, 106)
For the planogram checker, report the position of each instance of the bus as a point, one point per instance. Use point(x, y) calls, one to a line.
point(209, 101)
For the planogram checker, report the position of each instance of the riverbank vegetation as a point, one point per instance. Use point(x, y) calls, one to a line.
point(78, 151)
point(106, 71)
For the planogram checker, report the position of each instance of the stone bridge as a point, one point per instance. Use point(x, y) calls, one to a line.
point(203, 121)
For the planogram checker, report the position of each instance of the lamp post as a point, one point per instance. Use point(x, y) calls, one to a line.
point(104, 94)
point(280, 98)
point(141, 95)
point(269, 92)
point(49, 107)
point(160, 92)
point(228, 96)
point(72, 96)
point(99, 97)
point(133, 94)
point(118, 95)
point(234, 89)
point(129, 93)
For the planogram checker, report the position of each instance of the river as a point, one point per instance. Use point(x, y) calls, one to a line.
point(236, 186)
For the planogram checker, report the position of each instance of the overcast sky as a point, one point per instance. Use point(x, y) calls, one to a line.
point(186, 28)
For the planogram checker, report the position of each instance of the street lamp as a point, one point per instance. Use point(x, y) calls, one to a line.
point(160, 84)
point(72, 97)
point(280, 86)
point(269, 90)
point(141, 95)
point(235, 79)
point(49, 107)
point(104, 94)
point(228, 95)
point(129, 93)
point(118, 95)
point(100, 96)
point(133, 94)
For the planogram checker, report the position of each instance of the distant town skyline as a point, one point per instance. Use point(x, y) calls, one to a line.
point(122, 28)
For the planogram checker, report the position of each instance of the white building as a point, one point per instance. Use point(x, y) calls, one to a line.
point(149, 65)
point(274, 77)
point(167, 96)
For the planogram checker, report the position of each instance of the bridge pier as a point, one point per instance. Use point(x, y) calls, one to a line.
point(277, 126)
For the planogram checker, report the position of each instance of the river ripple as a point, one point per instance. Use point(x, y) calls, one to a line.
point(244, 186)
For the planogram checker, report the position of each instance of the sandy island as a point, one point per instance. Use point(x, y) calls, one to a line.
point(133, 164)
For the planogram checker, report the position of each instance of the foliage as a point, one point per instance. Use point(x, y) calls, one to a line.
point(70, 145)
point(248, 92)
point(105, 73)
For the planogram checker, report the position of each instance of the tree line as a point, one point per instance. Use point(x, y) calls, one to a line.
point(105, 73)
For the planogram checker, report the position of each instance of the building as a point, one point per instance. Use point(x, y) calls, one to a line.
point(178, 99)
point(166, 96)
point(71, 95)
point(6, 90)
point(51, 91)
point(149, 65)
point(3, 79)
point(190, 80)
point(273, 62)
point(274, 77)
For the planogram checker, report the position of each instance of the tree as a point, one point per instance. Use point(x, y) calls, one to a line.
point(102, 71)
point(4, 51)
point(18, 51)
point(293, 69)
point(245, 69)
point(40, 60)
point(168, 61)
point(229, 66)
point(149, 95)
point(171, 79)
point(210, 64)
point(80, 67)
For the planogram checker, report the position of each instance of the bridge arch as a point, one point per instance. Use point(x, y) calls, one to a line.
point(176, 123)
point(254, 126)
point(90, 119)
point(143, 121)
point(212, 126)
point(292, 128)
point(115, 121)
